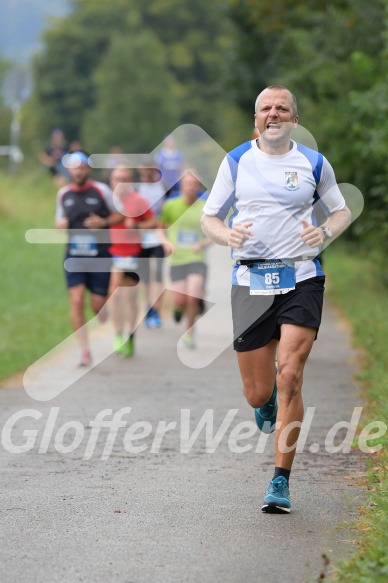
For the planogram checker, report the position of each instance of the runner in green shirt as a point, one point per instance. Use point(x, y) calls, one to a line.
point(181, 217)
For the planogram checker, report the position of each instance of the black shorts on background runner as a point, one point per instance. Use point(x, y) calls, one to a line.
point(146, 254)
point(257, 319)
point(180, 272)
point(97, 282)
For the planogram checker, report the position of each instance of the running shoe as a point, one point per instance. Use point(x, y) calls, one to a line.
point(149, 319)
point(189, 340)
point(118, 344)
point(85, 360)
point(178, 313)
point(153, 319)
point(129, 347)
point(266, 415)
point(157, 319)
point(277, 499)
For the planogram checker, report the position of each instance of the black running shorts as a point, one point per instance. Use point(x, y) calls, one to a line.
point(147, 256)
point(180, 272)
point(257, 319)
point(80, 270)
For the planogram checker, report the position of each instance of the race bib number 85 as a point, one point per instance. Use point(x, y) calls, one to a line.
point(269, 278)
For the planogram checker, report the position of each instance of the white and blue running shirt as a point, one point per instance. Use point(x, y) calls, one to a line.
point(275, 193)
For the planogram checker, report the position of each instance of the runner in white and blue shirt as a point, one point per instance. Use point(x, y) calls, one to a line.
point(272, 186)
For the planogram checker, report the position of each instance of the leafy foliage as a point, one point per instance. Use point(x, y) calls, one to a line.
point(136, 104)
point(333, 56)
point(63, 71)
point(188, 53)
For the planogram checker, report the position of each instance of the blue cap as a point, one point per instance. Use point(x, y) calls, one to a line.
point(74, 159)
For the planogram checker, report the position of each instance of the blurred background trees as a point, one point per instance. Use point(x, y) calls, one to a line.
point(333, 56)
point(166, 59)
point(5, 113)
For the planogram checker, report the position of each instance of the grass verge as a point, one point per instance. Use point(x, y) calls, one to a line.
point(34, 307)
point(355, 287)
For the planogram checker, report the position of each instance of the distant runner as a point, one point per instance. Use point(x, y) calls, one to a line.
point(86, 208)
point(125, 251)
point(181, 216)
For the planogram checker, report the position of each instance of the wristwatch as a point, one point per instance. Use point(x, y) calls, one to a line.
point(327, 234)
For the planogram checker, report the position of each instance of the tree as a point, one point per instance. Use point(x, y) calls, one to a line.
point(63, 74)
point(196, 42)
point(5, 112)
point(136, 104)
point(333, 56)
point(369, 133)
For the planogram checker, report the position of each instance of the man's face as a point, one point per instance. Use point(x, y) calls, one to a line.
point(148, 174)
point(190, 187)
point(58, 138)
point(80, 174)
point(120, 176)
point(274, 117)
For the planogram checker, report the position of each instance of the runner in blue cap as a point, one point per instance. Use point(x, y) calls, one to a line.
point(87, 209)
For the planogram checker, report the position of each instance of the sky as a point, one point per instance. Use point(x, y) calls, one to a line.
point(22, 21)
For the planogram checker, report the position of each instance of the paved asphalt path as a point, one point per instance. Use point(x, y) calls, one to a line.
point(169, 516)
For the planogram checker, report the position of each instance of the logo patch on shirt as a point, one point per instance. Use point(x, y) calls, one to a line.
point(291, 179)
point(91, 200)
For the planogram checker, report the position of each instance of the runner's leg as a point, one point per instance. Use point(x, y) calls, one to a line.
point(294, 347)
point(194, 291)
point(131, 304)
point(97, 302)
point(77, 317)
point(179, 293)
point(116, 301)
point(257, 369)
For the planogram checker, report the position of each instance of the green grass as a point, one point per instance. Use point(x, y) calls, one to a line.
point(34, 307)
point(356, 289)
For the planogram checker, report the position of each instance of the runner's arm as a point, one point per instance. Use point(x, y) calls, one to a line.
point(338, 214)
point(219, 233)
point(97, 222)
point(150, 222)
point(61, 221)
point(337, 222)
point(215, 229)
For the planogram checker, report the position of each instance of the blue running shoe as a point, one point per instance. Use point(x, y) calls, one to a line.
point(157, 322)
point(153, 319)
point(266, 415)
point(277, 498)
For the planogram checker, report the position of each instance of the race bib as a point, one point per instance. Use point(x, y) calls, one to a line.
point(126, 263)
point(150, 239)
point(85, 245)
point(187, 238)
point(271, 278)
